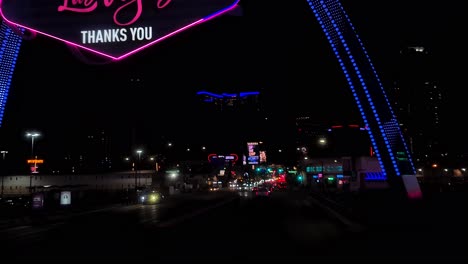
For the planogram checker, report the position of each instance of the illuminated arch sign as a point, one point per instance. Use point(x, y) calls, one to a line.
point(113, 28)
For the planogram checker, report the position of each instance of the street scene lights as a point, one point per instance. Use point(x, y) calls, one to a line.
point(139, 151)
point(322, 142)
point(32, 135)
point(139, 154)
point(3, 152)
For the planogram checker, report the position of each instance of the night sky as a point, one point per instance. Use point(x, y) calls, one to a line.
point(275, 47)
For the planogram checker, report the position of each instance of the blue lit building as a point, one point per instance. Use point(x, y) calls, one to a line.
point(249, 100)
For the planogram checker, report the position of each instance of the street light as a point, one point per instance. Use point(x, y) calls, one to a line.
point(4, 152)
point(139, 151)
point(32, 135)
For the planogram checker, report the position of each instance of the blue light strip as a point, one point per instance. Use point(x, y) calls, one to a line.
point(248, 93)
point(374, 176)
point(233, 5)
point(393, 127)
point(209, 94)
point(363, 80)
point(9, 49)
point(227, 95)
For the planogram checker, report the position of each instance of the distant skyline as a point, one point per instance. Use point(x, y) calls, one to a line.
point(277, 49)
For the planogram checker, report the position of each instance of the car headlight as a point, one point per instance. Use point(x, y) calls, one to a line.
point(154, 198)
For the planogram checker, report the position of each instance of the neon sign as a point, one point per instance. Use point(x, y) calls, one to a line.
point(112, 28)
point(231, 157)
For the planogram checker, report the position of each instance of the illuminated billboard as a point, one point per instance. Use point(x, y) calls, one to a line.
point(263, 156)
point(224, 158)
point(113, 28)
point(253, 155)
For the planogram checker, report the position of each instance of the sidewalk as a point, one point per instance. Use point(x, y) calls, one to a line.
point(27, 216)
point(16, 216)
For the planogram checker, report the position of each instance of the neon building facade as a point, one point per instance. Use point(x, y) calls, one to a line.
point(372, 102)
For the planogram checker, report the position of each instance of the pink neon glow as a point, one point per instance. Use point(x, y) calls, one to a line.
point(91, 5)
point(415, 195)
point(236, 157)
point(138, 49)
point(211, 156)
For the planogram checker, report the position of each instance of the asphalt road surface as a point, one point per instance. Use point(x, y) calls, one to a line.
point(224, 227)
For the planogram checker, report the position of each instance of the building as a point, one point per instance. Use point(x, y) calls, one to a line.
point(322, 140)
point(248, 101)
point(89, 151)
point(308, 134)
point(21, 184)
point(418, 102)
point(349, 140)
point(342, 173)
point(237, 117)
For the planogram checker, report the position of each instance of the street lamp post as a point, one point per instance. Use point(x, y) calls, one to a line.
point(4, 152)
point(32, 135)
point(139, 151)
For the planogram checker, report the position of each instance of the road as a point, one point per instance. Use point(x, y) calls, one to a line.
point(223, 227)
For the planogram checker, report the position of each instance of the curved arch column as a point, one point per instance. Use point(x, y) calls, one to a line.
point(10, 43)
point(370, 97)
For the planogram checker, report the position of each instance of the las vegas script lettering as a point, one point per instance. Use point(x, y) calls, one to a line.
point(115, 34)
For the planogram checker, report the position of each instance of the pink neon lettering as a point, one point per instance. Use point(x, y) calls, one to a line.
point(86, 9)
point(162, 3)
point(88, 6)
point(135, 18)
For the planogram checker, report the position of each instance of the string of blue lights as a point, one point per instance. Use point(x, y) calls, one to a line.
point(9, 49)
point(363, 80)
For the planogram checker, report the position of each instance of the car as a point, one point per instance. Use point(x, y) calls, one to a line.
point(262, 192)
point(214, 188)
point(150, 197)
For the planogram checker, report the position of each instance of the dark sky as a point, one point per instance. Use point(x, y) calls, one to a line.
point(276, 47)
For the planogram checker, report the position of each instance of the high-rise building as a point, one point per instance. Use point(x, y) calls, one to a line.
point(242, 101)
point(94, 153)
point(238, 117)
point(418, 102)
